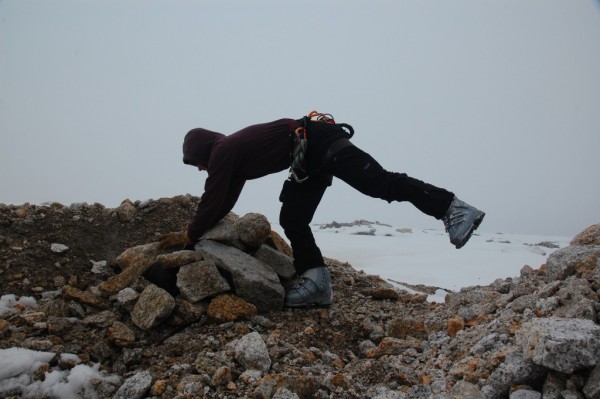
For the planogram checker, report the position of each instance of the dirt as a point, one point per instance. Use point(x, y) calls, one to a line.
point(94, 233)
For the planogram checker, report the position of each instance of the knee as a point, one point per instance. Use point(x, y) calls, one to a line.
point(294, 227)
point(389, 187)
point(284, 220)
point(288, 220)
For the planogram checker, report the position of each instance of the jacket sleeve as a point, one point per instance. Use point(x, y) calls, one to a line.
point(221, 191)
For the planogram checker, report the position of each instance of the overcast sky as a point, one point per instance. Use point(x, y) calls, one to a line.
point(495, 100)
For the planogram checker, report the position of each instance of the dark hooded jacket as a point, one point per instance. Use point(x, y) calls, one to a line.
point(197, 146)
point(250, 153)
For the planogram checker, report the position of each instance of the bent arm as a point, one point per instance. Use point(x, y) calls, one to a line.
point(221, 191)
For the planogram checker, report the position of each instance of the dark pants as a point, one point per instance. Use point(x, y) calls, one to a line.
point(363, 172)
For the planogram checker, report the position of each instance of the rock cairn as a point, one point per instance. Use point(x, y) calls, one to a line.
point(209, 323)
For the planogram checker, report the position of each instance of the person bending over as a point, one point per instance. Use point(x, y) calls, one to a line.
point(315, 148)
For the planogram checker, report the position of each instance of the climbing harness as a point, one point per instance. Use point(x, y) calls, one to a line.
point(298, 170)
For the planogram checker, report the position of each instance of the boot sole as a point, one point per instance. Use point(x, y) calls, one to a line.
point(474, 227)
point(324, 303)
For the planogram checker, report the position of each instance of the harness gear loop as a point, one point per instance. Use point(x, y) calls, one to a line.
point(317, 116)
point(320, 117)
point(298, 170)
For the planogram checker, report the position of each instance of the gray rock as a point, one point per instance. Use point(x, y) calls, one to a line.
point(282, 264)
point(525, 394)
point(135, 387)
point(305, 386)
point(488, 343)
point(524, 302)
point(474, 302)
point(152, 307)
point(465, 390)
point(563, 345)
point(253, 280)
point(553, 386)
point(515, 370)
point(189, 312)
point(224, 232)
point(570, 394)
point(501, 286)
point(385, 393)
point(470, 296)
point(193, 383)
point(126, 211)
point(546, 306)
point(407, 375)
point(100, 267)
point(548, 290)
point(102, 319)
point(200, 280)
point(263, 321)
point(253, 229)
point(583, 309)
point(284, 393)
point(126, 298)
point(570, 260)
point(365, 346)
point(419, 392)
point(591, 390)
point(472, 312)
point(251, 352)
point(58, 248)
point(574, 289)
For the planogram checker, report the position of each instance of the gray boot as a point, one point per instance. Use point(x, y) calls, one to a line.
point(461, 220)
point(313, 289)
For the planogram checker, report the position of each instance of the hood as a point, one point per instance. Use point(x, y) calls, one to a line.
point(197, 145)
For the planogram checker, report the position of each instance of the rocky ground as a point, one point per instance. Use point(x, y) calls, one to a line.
point(521, 337)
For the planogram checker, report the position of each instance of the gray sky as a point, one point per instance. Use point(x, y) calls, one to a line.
point(496, 100)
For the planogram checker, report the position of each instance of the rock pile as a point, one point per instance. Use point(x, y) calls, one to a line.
point(238, 256)
point(208, 322)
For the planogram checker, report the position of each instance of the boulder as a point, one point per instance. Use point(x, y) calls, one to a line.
point(574, 259)
point(135, 387)
point(465, 390)
point(589, 236)
point(515, 370)
point(126, 211)
point(281, 264)
point(152, 307)
point(252, 279)
point(253, 229)
point(279, 243)
point(228, 307)
point(563, 345)
point(225, 232)
point(200, 280)
point(177, 259)
point(134, 261)
point(251, 352)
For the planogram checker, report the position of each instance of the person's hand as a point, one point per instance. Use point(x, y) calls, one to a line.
point(177, 239)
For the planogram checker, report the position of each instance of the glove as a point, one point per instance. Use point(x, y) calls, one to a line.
point(178, 239)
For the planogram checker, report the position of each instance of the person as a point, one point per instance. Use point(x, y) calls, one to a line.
point(316, 149)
